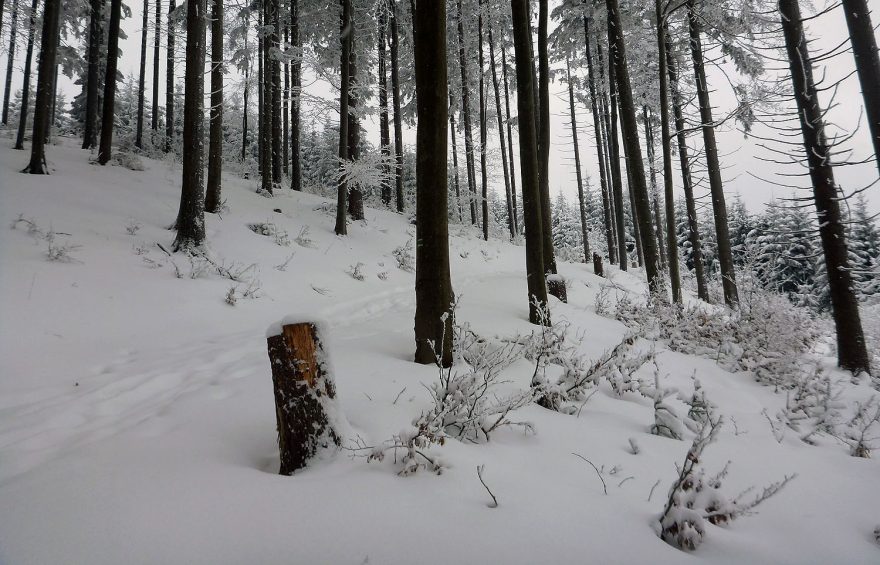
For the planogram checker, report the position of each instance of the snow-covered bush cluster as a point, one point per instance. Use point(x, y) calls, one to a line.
point(58, 248)
point(269, 229)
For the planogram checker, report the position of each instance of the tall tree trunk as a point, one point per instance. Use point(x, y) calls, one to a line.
point(864, 47)
point(484, 178)
point(157, 36)
point(851, 351)
point(245, 109)
point(296, 84)
point(342, 191)
point(285, 117)
point(274, 43)
point(434, 296)
point(511, 205)
point(666, 141)
point(213, 199)
point(2, 6)
point(267, 186)
point(45, 72)
point(528, 154)
point(555, 287)
point(634, 215)
point(261, 114)
point(10, 59)
point(395, 101)
point(509, 134)
point(466, 118)
point(719, 206)
point(139, 132)
point(26, 86)
point(655, 197)
point(355, 196)
point(107, 115)
point(687, 181)
point(582, 205)
point(191, 216)
point(455, 162)
point(384, 125)
point(614, 160)
point(93, 78)
point(169, 81)
point(600, 144)
point(635, 165)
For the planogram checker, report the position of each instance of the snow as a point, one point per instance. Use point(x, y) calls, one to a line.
point(137, 419)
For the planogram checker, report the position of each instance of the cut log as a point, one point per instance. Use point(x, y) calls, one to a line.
point(597, 265)
point(304, 394)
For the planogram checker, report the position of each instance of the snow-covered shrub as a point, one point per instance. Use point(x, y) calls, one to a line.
point(132, 226)
point(303, 239)
point(356, 271)
point(859, 428)
point(699, 407)
point(57, 250)
point(269, 229)
point(129, 160)
point(403, 254)
point(666, 420)
point(695, 498)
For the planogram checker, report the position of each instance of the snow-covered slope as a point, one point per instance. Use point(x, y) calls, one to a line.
point(137, 421)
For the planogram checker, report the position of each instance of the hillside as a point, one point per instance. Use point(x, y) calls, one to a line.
point(137, 421)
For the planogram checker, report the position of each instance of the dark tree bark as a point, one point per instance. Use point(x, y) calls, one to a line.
point(93, 79)
point(265, 184)
point(466, 118)
point(26, 86)
point(719, 206)
point(635, 165)
point(266, 106)
point(2, 6)
point(600, 145)
point(245, 110)
point(455, 162)
point(434, 296)
point(666, 141)
point(169, 81)
point(582, 206)
point(45, 73)
point(10, 59)
point(296, 84)
point(342, 193)
point(484, 178)
point(655, 198)
point(285, 117)
point(107, 114)
point(528, 155)
point(687, 182)
point(614, 161)
point(395, 101)
point(191, 216)
point(509, 135)
point(355, 196)
point(864, 46)
point(511, 205)
point(157, 36)
point(852, 354)
point(213, 199)
point(274, 19)
point(142, 77)
point(384, 125)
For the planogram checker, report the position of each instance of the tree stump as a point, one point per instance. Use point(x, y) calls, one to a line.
point(597, 265)
point(304, 394)
point(556, 287)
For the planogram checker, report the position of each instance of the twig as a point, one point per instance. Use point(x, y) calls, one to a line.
point(620, 484)
point(398, 395)
point(604, 486)
point(494, 503)
point(652, 490)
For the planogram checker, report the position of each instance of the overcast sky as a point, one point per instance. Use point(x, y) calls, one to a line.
point(739, 155)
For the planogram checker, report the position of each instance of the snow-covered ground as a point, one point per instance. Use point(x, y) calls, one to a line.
point(137, 422)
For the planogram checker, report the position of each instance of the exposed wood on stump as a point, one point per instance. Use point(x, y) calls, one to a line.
point(303, 390)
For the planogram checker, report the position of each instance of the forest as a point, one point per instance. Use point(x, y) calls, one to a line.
point(569, 243)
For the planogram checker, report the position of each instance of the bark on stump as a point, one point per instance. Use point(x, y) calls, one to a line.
point(597, 265)
point(556, 287)
point(304, 391)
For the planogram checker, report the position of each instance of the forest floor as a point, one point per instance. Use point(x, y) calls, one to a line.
point(137, 422)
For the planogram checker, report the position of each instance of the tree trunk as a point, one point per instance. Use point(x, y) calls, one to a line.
point(157, 36)
point(484, 178)
point(96, 31)
point(267, 155)
point(509, 135)
point(213, 199)
point(528, 154)
point(655, 197)
point(635, 165)
point(852, 354)
point(355, 195)
point(169, 81)
point(600, 143)
point(466, 118)
point(864, 47)
point(139, 132)
point(10, 59)
point(191, 216)
point(245, 110)
point(395, 100)
point(666, 141)
point(434, 296)
point(384, 126)
point(511, 205)
point(45, 72)
point(296, 80)
point(26, 86)
point(455, 162)
point(304, 394)
point(342, 191)
point(614, 161)
point(107, 114)
point(687, 183)
point(719, 206)
point(585, 234)
point(274, 19)
point(285, 116)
